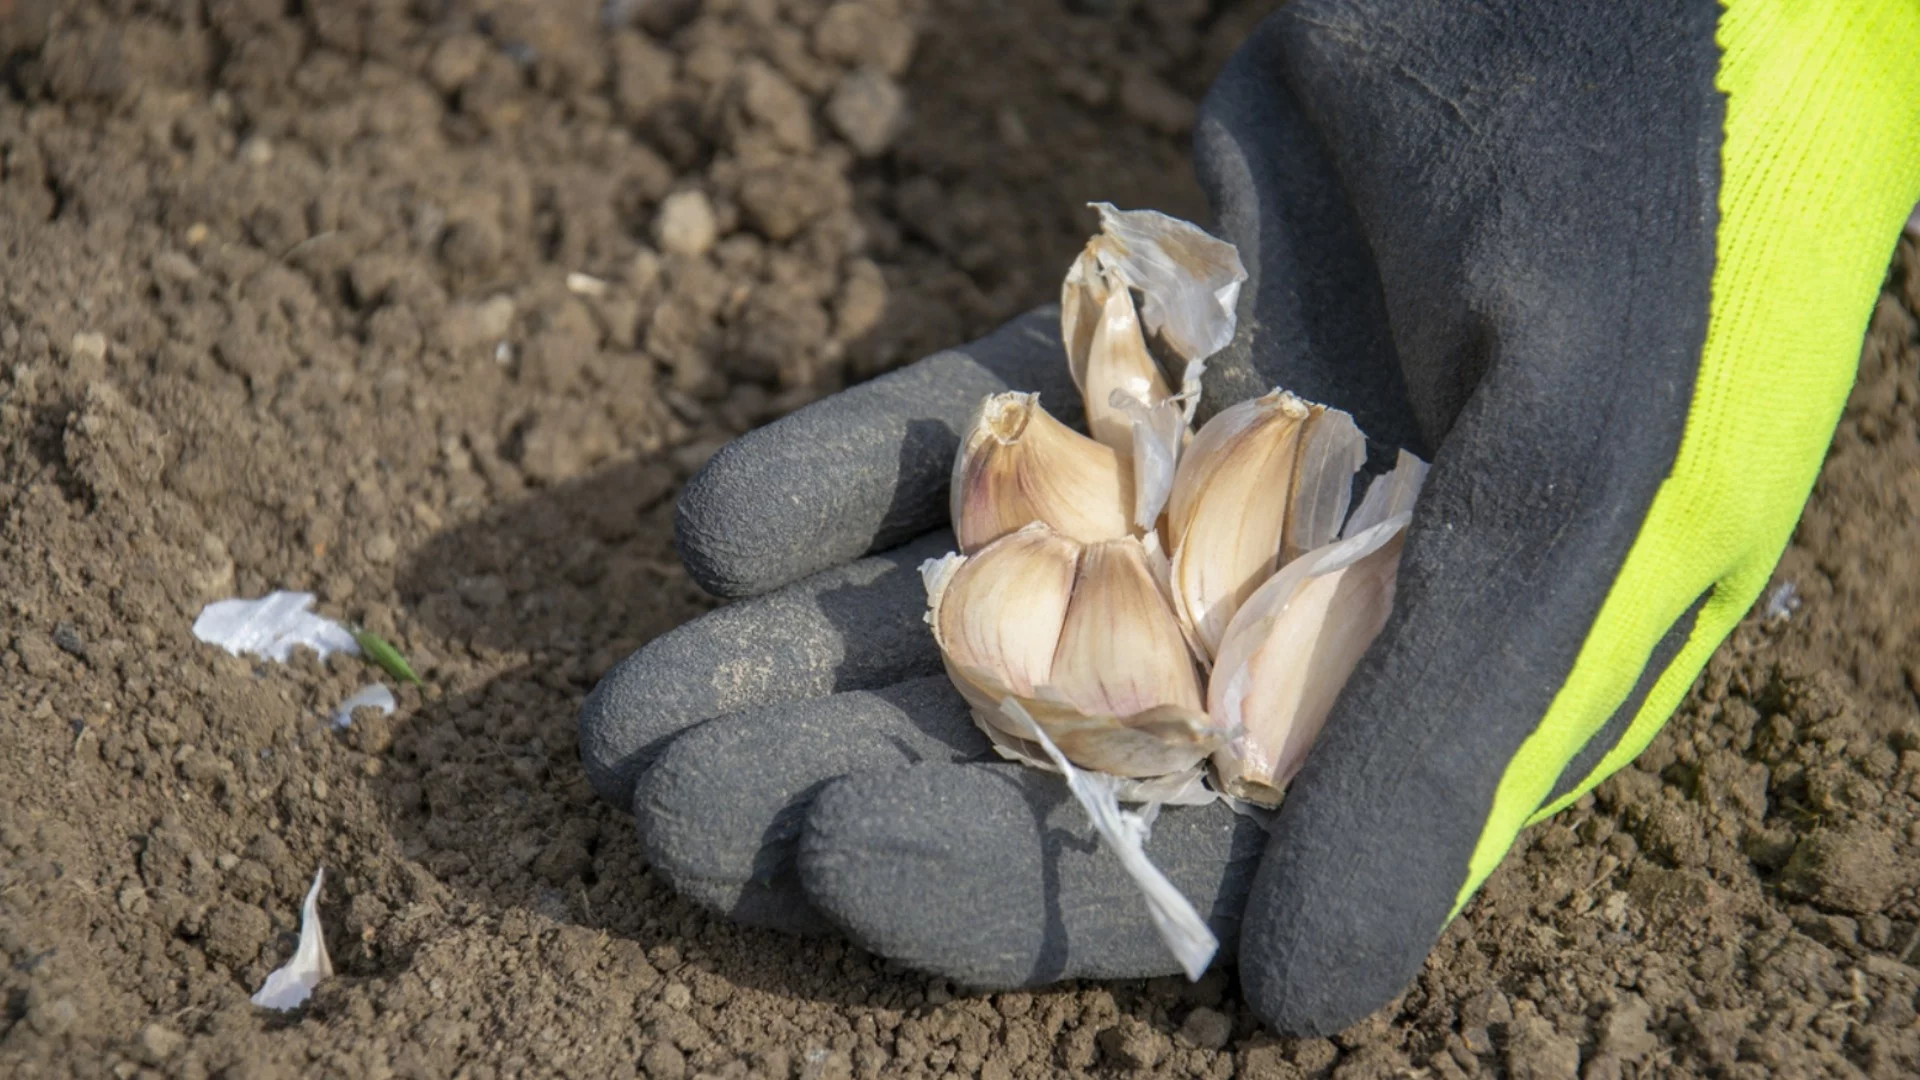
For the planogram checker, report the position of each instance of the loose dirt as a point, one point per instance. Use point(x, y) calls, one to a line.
point(429, 308)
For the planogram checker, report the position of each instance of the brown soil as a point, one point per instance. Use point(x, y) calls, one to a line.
point(287, 304)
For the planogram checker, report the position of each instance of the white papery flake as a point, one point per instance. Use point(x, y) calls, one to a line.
point(1180, 927)
point(371, 696)
point(1159, 431)
point(272, 627)
point(1189, 280)
point(289, 986)
point(935, 574)
point(1783, 601)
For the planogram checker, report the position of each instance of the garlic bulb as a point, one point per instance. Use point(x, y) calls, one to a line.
point(1063, 617)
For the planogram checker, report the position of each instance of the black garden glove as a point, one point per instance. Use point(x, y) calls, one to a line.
point(1609, 275)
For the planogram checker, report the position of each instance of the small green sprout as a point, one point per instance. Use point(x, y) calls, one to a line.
point(380, 652)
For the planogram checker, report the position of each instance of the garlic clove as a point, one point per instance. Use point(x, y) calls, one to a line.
point(1261, 482)
point(997, 615)
point(1292, 646)
point(1122, 658)
point(1296, 661)
point(1083, 299)
point(1229, 508)
point(1019, 465)
point(1118, 364)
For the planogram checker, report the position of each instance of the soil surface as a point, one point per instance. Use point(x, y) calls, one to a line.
point(429, 307)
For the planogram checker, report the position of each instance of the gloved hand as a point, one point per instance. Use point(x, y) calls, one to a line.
point(1609, 275)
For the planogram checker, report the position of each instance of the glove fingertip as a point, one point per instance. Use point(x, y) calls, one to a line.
point(1301, 988)
point(614, 742)
point(1366, 858)
point(691, 850)
point(723, 551)
point(765, 510)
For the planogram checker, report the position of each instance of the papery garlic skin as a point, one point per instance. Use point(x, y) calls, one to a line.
point(1190, 281)
point(1159, 434)
point(1262, 482)
point(291, 984)
point(1292, 646)
point(1017, 465)
point(1085, 639)
point(1389, 496)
